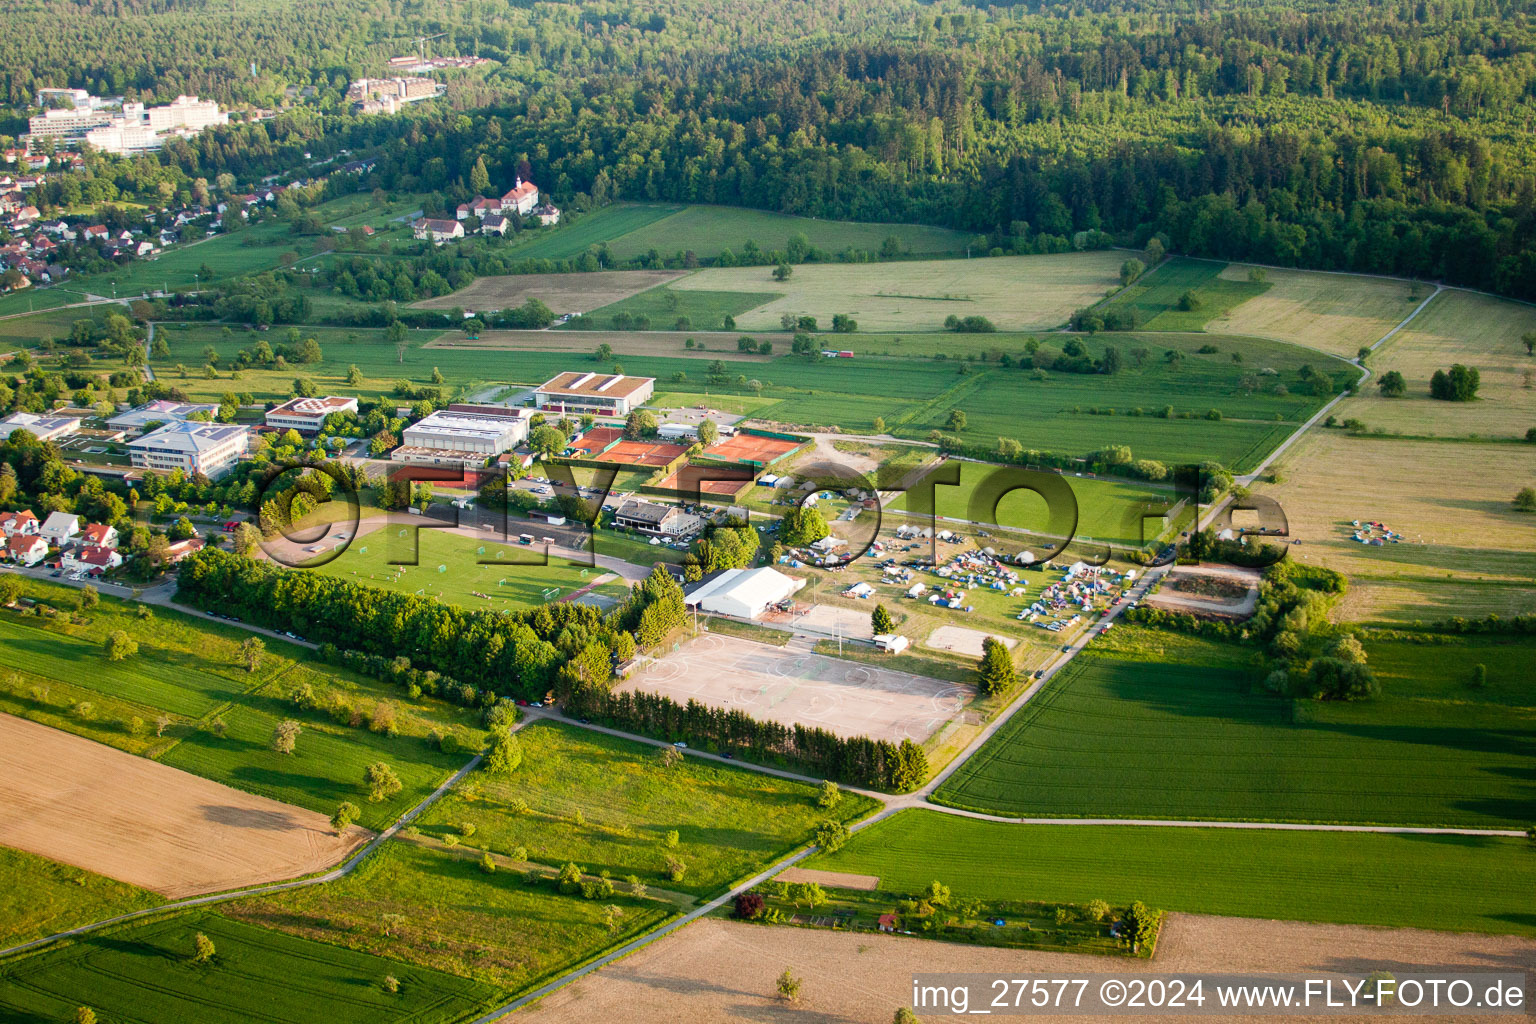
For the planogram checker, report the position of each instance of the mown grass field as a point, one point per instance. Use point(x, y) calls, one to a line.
point(667, 308)
point(191, 671)
point(450, 567)
point(607, 224)
point(1456, 327)
point(1451, 883)
point(1156, 295)
point(500, 930)
point(146, 973)
point(27, 331)
point(1108, 509)
point(1148, 724)
point(1014, 292)
point(1337, 313)
point(1466, 551)
point(607, 803)
point(562, 293)
point(41, 897)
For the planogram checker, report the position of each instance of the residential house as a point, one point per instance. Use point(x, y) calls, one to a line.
point(182, 548)
point(439, 231)
point(494, 224)
point(60, 528)
point(28, 550)
point(99, 535)
point(547, 215)
point(19, 524)
point(94, 560)
point(478, 207)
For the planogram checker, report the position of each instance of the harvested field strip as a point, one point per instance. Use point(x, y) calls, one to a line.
point(1337, 313)
point(1454, 883)
point(132, 819)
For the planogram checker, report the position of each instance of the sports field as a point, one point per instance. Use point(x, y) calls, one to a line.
point(644, 453)
point(1457, 327)
point(1156, 296)
point(1451, 883)
point(1337, 313)
point(563, 293)
point(1465, 550)
point(756, 448)
point(793, 686)
point(492, 572)
point(1149, 724)
point(607, 803)
point(151, 826)
point(256, 976)
point(1014, 292)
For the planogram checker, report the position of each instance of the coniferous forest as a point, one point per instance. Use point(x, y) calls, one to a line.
point(1383, 137)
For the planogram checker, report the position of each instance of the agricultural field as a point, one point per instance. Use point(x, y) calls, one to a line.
point(581, 345)
point(1337, 313)
point(1456, 327)
point(430, 908)
point(1149, 724)
point(146, 824)
point(1465, 550)
point(710, 230)
point(562, 293)
point(1156, 296)
point(678, 309)
point(1014, 292)
point(1108, 509)
point(607, 803)
point(190, 671)
point(575, 236)
point(493, 572)
point(40, 897)
point(146, 973)
point(1458, 883)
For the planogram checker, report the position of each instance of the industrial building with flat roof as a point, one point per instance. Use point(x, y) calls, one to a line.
point(605, 394)
point(462, 435)
point(307, 415)
point(44, 428)
point(211, 449)
point(159, 411)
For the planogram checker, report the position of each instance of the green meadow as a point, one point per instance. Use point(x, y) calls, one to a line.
point(1452, 883)
point(40, 897)
point(1151, 724)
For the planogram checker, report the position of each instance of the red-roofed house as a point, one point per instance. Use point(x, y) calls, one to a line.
point(28, 550)
point(91, 559)
point(478, 207)
point(523, 197)
point(99, 535)
point(182, 548)
point(19, 524)
point(96, 233)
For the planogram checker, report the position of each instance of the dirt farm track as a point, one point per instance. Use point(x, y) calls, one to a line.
point(722, 971)
point(133, 819)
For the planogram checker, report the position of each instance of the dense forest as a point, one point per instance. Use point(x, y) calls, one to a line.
point(1386, 137)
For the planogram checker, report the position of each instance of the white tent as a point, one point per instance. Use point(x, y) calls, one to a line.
point(743, 593)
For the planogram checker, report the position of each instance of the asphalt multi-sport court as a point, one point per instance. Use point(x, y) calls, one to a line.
point(796, 686)
point(752, 448)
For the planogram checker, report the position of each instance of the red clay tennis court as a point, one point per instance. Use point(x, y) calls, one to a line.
point(688, 480)
point(642, 453)
point(752, 448)
point(596, 439)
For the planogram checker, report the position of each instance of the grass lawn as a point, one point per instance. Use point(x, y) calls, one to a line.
point(1453, 883)
point(709, 230)
point(1156, 296)
point(1149, 724)
point(1466, 551)
point(190, 671)
point(1457, 327)
point(45, 897)
point(1334, 312)
point(501, 930)
point(1014, 292)
point(607, 803)
point(26, 331)
point(590, 229)
point(146, 973)
point(667, 308)
point(449, 566)
point(1108, 509)
point(736, 405)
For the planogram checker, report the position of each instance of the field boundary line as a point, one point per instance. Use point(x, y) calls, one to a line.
point(334, 874)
